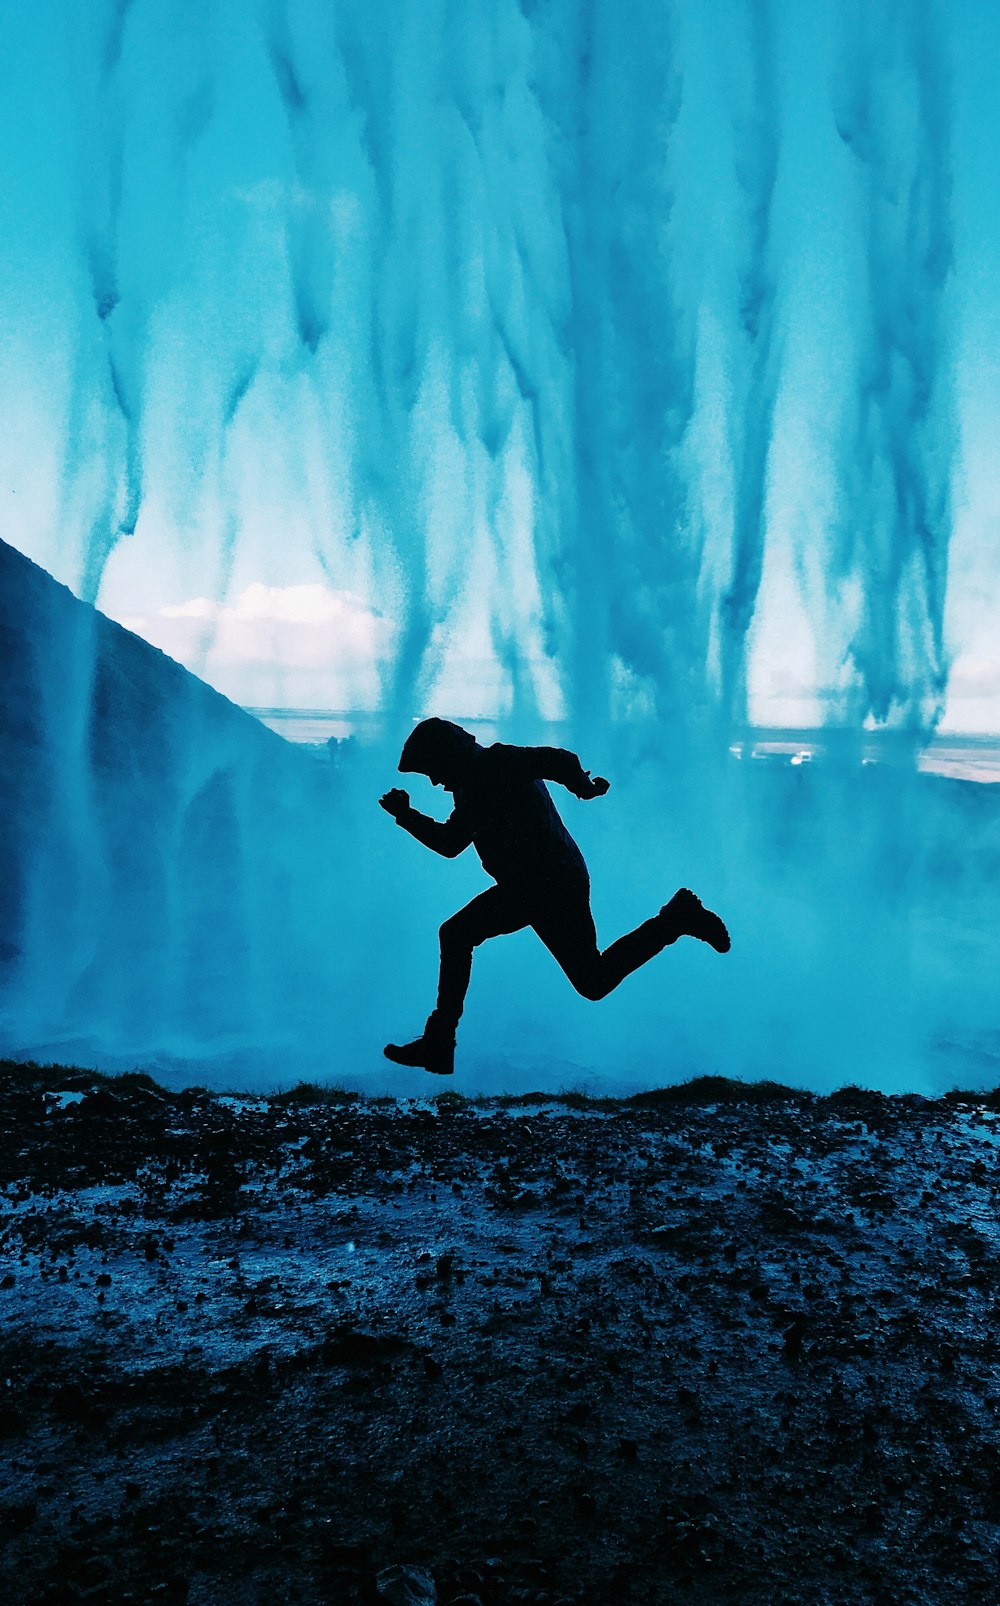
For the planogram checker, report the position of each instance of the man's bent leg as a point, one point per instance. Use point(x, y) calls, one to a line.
point(493, 914)
point(566, 926)
point(633, 950)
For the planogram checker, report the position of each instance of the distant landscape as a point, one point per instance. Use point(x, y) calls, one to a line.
point(963, 757)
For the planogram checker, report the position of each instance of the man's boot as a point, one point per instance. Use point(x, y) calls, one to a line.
point(434, 1051)
point(686, 916)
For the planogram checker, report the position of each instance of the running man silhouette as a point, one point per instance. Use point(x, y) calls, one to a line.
point(503, 808)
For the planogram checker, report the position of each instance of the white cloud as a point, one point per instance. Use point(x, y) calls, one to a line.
point(305, 645)
point(305, 605)
point(974, 677)
point(197, 608)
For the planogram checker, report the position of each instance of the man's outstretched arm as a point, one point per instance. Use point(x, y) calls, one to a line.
point(449, 837)
point(557, 764)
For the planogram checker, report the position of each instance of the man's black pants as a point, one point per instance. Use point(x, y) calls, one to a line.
point(559, 912)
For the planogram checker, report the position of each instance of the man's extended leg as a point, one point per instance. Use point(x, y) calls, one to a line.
point(566, 926)
point(492, 914)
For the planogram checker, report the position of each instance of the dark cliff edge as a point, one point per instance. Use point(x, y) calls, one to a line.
point(154, 834)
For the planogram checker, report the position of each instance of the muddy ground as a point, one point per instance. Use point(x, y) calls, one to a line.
point(714, 1344)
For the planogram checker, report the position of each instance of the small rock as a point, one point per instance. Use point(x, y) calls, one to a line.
point(664, 1234)
point(19, 1516)
point(406, 1586)
point(346, 1552)
point(792, 1338)
point(469, 1580)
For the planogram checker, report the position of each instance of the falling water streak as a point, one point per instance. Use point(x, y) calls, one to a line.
point(310, 240)
point(503, 384)
point(756, 130)
point(97, 404)
point(628, 550)
point(122, 331)
point(386, 478)
point(128, 270)
point(893, 114)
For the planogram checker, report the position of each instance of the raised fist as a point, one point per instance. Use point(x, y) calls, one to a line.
point(395, 801)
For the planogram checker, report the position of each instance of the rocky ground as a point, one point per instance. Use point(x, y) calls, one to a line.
point(712, 1344)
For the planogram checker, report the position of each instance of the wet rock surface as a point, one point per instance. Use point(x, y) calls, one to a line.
point(714, 1344)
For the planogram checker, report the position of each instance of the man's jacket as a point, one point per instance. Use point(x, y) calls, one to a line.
point(504, 810)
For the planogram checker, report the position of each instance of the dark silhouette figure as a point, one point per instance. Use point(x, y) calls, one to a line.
point(503, 808)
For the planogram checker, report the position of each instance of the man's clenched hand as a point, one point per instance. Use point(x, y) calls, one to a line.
point(595, 787)
point(395, 801)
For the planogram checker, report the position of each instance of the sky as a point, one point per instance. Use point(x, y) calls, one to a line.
point(344, 347)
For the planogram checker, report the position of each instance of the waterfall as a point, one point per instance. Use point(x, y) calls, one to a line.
point(569, 366)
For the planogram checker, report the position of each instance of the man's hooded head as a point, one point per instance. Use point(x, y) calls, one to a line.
point(438, 749)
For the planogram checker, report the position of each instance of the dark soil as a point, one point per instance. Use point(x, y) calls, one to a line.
point(717, 1344)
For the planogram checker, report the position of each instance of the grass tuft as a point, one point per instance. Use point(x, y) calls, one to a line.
point(314, 1093)
point(719, 1090)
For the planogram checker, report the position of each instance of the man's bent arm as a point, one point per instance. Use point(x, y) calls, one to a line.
point(449, 837)
point(557, 764)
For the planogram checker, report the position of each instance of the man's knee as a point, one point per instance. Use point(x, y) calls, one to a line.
point(590, 984)
point(451, 935)
point(457, 935)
